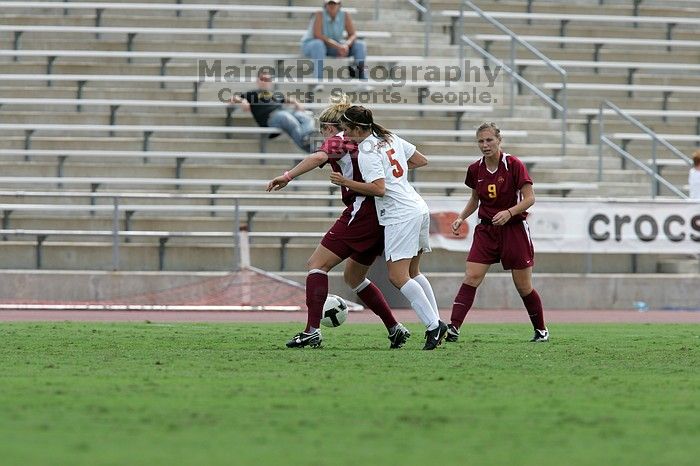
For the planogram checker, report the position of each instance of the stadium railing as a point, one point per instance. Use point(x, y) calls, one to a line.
point(163, 236)
point(123, 214)
point(644, 133)
point(558, 110)
point(631, 66)
point(665, 90)
point(592, 113)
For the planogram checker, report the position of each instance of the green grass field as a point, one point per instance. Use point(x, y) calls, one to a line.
point(204, 394)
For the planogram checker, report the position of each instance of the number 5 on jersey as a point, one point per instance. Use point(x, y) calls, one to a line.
point(398, 169)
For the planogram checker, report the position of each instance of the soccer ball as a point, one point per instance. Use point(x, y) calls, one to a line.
point(335, 311)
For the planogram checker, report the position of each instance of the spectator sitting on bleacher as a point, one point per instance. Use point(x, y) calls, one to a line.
point(694, 177)
point(326, 37)
point(268, 109)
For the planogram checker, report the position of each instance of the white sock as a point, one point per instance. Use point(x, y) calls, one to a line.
point(428, 290)
point(419, 302)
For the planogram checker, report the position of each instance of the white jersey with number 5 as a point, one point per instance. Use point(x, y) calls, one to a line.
point(379, 159)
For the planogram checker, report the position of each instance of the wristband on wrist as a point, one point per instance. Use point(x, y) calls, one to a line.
point(287, 176)
point(511, 213)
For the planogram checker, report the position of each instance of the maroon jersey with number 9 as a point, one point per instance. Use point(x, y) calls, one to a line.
point(501, 189)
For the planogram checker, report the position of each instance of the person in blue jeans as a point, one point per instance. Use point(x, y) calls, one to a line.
point(326, 37)
point(269, 110)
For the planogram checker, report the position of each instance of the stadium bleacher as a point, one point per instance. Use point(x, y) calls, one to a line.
point(135, 63)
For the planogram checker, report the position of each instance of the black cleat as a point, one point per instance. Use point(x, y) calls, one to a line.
point(433, 338)
point(302, 339)
point(541, 335)
point(452, 333)
point(399, 336)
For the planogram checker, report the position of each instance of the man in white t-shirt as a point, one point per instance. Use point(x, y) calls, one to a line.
point(384, 160)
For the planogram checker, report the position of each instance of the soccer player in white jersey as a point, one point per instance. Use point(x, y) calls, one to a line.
point(384, 160)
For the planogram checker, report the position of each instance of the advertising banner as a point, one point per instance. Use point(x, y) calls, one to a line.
point(587, 226)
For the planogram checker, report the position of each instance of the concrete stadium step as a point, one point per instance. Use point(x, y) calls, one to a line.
point(216, 117)
point(550, 6)
point(261, 222)
point(623, 101)
point(573, 29)
point(614, 189)
point(540, 174)
point(114, 68)
point(612, 76)
point(69, 92)
point(582, 52)
point(684, 266)
point(280, 144)
point(572, 168)
point(176, 118)
point(223, 20)
point(18, 221)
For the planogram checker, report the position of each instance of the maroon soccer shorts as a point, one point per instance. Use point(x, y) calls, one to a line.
point(362, 239)
point(509, 244)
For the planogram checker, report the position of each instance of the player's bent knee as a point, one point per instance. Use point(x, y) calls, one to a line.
point(473, 280)
point(321, 264)
point(398, 280)
point(523, 290)
point(353, 278)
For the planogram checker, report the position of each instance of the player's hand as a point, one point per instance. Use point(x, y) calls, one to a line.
point(343, 50)
point(338, 179)
point(277, 183)
point(455, 226)
point(501, 218)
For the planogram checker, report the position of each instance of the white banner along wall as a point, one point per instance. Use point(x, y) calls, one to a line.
point(587, 226)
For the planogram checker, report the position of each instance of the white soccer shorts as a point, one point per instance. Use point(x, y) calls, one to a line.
point(404, 240)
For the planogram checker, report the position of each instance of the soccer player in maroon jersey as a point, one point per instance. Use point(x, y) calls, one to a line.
point(355, 236)
point(502, 191)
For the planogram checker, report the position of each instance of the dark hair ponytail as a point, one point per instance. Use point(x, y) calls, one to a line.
point(358, 116)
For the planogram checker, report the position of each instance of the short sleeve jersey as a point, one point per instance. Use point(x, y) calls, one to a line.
point(694, 183)
point(499, 190)
point(379, 159)
point(263, 103)
point(342, 157)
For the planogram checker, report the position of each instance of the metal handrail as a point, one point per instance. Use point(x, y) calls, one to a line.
point(237, 236)
point(656, 180)
point(562, 108)
point(425, 14)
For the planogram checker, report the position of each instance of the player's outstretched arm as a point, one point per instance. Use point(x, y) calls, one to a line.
point(376, 188)
point(310, 162)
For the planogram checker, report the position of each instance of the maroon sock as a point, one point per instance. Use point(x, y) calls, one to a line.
point(316, 293)
point(533, 304)
point(463, 302)
point(374, 299)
